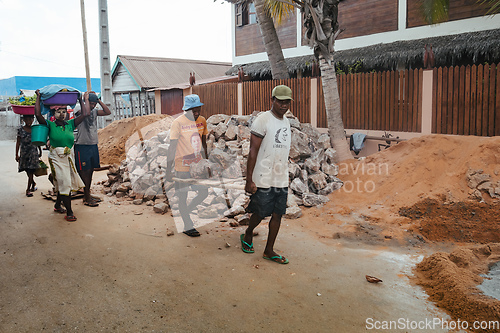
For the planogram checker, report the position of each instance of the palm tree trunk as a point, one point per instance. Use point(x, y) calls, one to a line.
point(333, 110)
point(271, 42)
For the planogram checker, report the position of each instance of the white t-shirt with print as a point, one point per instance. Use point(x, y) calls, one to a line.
point(271, 167)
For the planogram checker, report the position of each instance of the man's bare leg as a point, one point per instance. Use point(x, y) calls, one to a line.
point(252, 224)
point(274, 228)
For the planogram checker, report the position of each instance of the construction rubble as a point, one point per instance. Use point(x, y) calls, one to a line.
point(140, 178)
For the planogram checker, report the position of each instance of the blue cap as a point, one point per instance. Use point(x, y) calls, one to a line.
point(93, 98)
point(191, 101)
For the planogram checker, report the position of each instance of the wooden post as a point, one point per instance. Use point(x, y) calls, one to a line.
point(85, 48)
point(427, 96)
point(240, 98)
point(314, 102)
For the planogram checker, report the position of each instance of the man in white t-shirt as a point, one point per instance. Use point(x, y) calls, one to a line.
point(267, 171)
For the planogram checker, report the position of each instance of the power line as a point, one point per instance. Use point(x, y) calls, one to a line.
point(43, 60)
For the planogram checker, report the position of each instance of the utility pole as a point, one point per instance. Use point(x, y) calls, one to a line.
point(85, 47)
point(106, 85)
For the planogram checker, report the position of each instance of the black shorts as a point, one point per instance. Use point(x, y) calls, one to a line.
point(87, 157)
point(267, 201)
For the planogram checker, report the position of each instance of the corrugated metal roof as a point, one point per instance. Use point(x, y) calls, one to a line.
point(186, 85)
point(150, 72)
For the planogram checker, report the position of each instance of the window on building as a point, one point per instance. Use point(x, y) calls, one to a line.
point(252, 15)
point(245, 14)
point(240, 15)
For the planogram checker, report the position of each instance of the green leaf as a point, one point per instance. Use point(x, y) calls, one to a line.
point(493, 4)
point(435, 11)
point(23, 100)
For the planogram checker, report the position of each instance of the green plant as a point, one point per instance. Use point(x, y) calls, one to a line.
point(23, 100)
point(42, 165)
point(357, 67)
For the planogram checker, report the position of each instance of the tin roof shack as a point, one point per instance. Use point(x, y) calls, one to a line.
point(135, 78)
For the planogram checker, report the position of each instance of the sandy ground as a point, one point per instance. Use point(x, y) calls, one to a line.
point(116, 270)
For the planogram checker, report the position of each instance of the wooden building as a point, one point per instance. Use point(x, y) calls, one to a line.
point(135, 78)
point(380, 34)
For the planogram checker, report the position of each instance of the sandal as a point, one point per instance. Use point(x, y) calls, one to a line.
point(249, 247)
point(29, 194)
point(90, 203)
point(279, 259)
point(192, 233)
point(59, 210)
point(70, 218)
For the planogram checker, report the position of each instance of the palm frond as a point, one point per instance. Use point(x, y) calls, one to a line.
point(493, 4)
point(435, 11)
point(279, 10)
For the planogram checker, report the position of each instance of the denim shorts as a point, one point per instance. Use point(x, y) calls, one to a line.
point(87, 157)
point(267, 201)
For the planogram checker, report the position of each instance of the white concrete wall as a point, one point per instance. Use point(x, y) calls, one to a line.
point(9, 123)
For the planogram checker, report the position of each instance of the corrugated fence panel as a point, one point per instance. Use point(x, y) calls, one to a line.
point(218, 98)
point(467, 100)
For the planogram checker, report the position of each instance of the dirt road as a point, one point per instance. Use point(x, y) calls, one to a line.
point(116, 270)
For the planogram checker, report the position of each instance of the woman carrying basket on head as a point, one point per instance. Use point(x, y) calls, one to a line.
point(61, 154)
point(27, 154)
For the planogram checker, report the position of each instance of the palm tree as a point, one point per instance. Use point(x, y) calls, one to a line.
point(321, 30)
point(272, 44)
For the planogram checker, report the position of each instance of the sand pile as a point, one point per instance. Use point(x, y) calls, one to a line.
point(451, 281)
point(459, 222)
point(367, 207)
point(421, 188)
point(424, 167)
point(113, 138)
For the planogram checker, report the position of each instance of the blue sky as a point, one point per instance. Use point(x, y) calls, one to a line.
point(44, 38)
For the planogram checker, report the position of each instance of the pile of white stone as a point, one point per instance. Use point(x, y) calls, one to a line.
point(480, 182)
point(141, 177)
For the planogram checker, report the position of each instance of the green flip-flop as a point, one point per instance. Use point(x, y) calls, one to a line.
point(278, 259)
point(243, 244)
